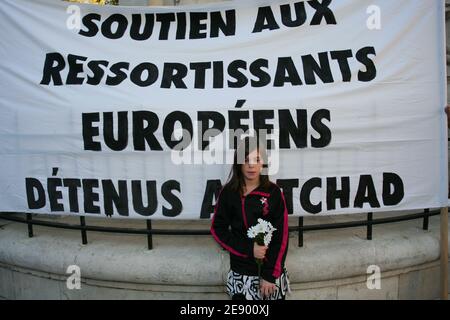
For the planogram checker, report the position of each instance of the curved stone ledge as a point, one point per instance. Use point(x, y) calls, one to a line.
point(332, 264)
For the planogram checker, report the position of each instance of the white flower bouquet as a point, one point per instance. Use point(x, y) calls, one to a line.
point(261, 233)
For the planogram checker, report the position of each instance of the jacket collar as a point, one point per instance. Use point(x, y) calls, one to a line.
point(259, 191)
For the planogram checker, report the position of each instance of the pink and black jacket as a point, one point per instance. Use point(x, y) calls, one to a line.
point(234, 214)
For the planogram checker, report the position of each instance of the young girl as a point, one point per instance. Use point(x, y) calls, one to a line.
point(248, 196)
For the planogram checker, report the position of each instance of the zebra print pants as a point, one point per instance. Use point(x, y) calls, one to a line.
point(247, 287)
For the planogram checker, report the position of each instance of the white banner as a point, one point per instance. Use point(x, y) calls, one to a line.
point(93, 100)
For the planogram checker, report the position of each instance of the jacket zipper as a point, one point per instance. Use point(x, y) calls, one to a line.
point(244, 215)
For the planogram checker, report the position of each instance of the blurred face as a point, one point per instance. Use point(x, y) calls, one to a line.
point(252, 167)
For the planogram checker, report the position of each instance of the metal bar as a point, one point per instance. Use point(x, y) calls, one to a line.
point(300, 232)
point(110, 229)
point(369, 225)
point(362, 223)
point(426, 220)
point(83, 230)
point(149, 235)
point(444, 253)
point(7, 216)
point(30, 225)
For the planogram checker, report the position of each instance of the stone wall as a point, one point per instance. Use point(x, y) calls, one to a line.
point(332, 264)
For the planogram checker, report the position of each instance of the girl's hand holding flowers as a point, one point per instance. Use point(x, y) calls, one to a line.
point(259, 252)
point(267, 288)
point(262, 235)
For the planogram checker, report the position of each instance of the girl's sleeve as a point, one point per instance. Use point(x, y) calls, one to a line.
point(276, 254)
point(234, 242)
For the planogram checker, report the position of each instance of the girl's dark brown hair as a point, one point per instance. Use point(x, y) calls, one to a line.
point(236, 180)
